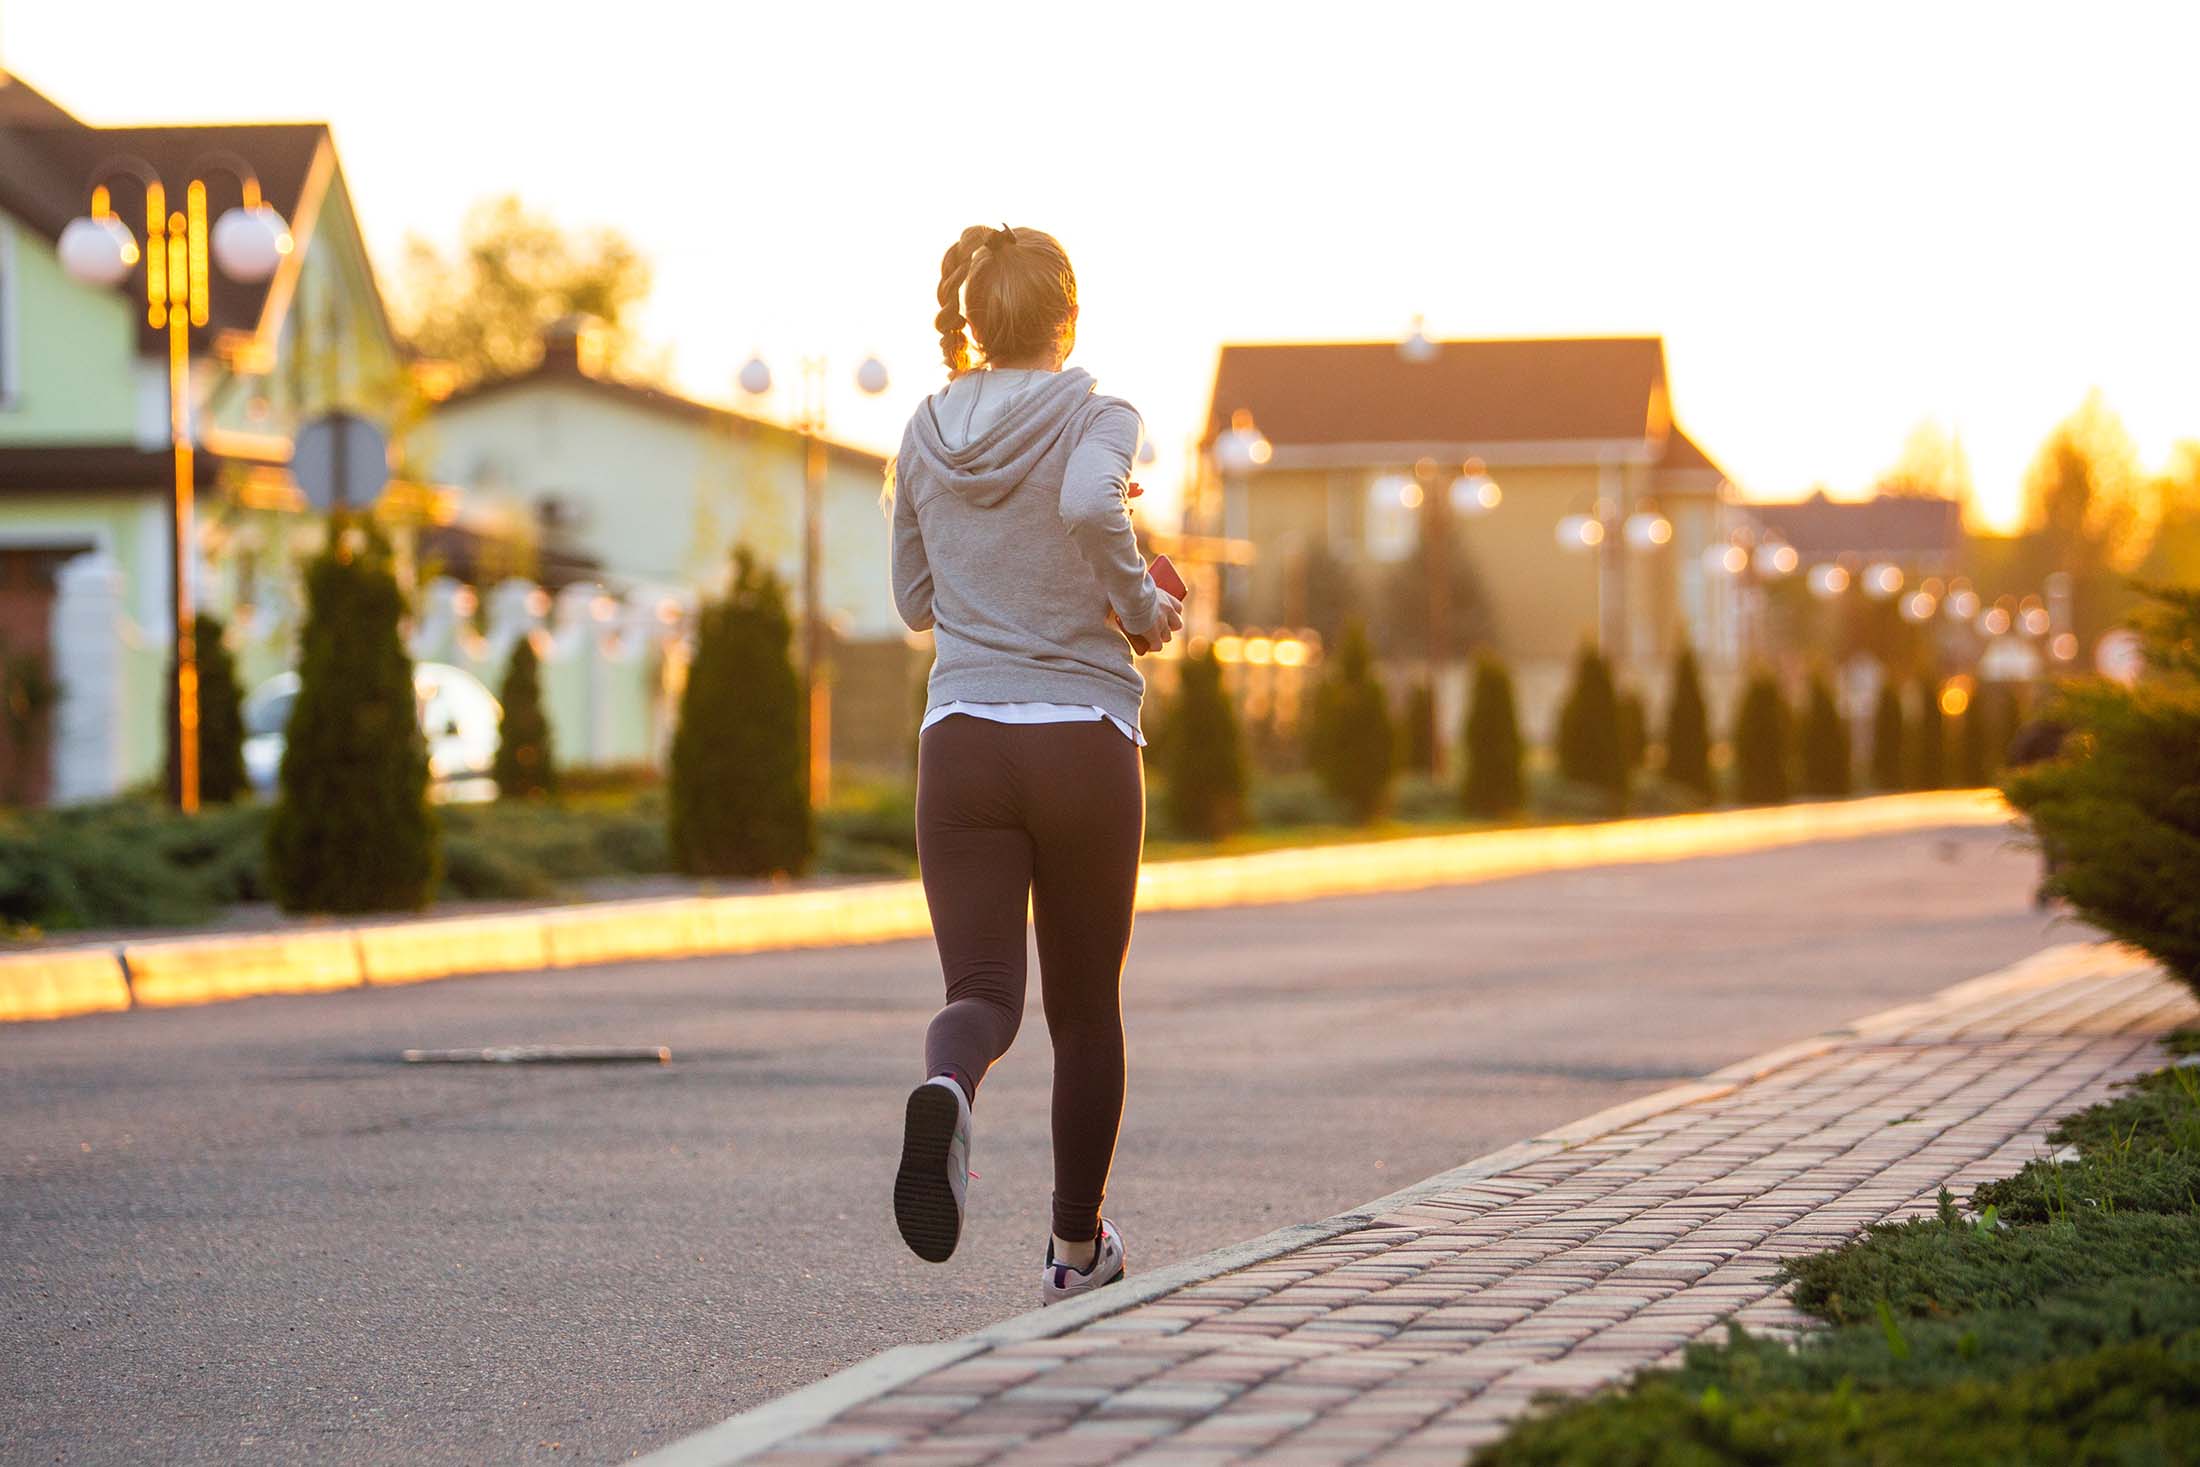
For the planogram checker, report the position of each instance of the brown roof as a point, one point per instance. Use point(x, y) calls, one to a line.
point(560, 366)
point(1888, 526)
point(46, 468)
point(1683, 456)
point(47, 158)
point(1538, 391)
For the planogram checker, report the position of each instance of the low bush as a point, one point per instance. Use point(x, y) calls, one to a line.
point(2053, 1326)
point(1951, 1265)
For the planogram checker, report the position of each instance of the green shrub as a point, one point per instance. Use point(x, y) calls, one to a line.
point(523, 766)
point(1687, 728)
point(1889, 769)
point(1949, 1265)
point(1491, 787)
point(2159, 1111)
point(1761, 744)
point(64, 877)
point(1350, 737)
point(221, 721)
point(1589, 738)
point(739, 792)
point(1929, 752)
point(2136, 1403)
point(1825, 743)
point(353, 831)
point(1204, 754)
point(481, 868)
point(1974, 746)
point(2120, 810)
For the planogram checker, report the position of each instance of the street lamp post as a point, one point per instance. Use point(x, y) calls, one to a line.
point(248, 242)
point(1611, 535)
point(755, 378)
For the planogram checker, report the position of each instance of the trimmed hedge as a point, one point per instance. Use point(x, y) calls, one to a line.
point(1491, 786)
point(1688, 728)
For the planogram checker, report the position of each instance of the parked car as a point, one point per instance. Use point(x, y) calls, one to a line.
point(458, 717)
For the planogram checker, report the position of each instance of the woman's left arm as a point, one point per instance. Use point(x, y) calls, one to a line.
point(912, 568)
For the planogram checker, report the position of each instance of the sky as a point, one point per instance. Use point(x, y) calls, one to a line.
point(1844, 219)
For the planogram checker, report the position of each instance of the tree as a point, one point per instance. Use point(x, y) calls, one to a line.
point(1889, 772)
point(483, 310)
point(523, 765)
point(1204, 753)
point(1825, 742)
point(352, 829)
point(2086, 508)
point(1761, 744)
point(1492, 786)
point(739, 801)
point(1687, 728)
point(1417, 731)
point(2115, 811)
point(221, 721)
point(1932, 465)
point(1350, 735)
point(1589, 749)
point(1929, 761)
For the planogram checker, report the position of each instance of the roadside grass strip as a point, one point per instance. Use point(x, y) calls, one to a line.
point(2056, 1319)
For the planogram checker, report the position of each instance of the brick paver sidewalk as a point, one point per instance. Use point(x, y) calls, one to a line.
point(1418, 1335)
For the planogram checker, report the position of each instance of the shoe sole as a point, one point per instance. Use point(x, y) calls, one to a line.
point(924, 1201)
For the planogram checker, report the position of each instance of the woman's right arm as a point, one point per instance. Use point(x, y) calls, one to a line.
point(1096, 512)
point(912, 569)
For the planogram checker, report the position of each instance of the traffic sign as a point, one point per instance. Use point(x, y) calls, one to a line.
point(340, 460)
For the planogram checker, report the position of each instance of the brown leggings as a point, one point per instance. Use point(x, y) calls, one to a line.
point(1052, 813)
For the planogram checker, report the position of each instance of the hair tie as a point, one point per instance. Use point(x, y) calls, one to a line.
point(1000, 239)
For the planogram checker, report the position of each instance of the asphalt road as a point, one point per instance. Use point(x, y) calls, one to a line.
point(246, 1233)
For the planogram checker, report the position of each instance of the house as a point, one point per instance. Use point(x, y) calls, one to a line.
point(86, 471)
point(1921, 535)
point(650, 491)
point(1582, 509)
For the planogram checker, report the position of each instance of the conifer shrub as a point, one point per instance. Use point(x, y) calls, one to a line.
point(1974, 753)
point(1929, 746)
point(221, 722)
point(1203, 754)
point(1492, 787)
point(523, 766)
point(1687, 728)
point(739, 802)
point(1761, 744)
point(1825, 743)
point(2119, 810)
point(1890, 768)
point(352, 829)
point(1589, 736)
point(1349, 735)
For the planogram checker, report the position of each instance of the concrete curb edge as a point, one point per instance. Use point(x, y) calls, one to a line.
point(155, 972)
point(762, 1427)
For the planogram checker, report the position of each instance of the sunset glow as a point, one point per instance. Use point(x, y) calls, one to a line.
point(1844, 222)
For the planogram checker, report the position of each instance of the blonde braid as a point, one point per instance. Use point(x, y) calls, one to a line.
point(955, 268)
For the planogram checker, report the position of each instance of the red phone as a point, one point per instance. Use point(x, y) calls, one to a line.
point(1165, 576)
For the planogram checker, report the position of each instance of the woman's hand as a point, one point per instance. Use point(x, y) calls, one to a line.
point(1168, 622)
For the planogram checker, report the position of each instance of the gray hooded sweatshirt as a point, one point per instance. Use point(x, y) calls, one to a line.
point(1012, 539)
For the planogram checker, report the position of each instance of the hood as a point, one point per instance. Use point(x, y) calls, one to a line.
point(986, 430)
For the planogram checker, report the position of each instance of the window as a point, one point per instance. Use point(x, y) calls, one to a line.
point(11, 380)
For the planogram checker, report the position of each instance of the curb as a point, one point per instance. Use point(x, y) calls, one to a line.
point(59, 983)
point(760, 1428)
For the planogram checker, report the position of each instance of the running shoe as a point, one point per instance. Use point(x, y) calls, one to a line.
point(1063, 1282)
point(935, 1169)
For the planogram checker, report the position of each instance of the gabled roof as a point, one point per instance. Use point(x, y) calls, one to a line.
point(47, 158)
point(1888, 526)
point(1683, 456)
point(560, 367)
point(1471, 392)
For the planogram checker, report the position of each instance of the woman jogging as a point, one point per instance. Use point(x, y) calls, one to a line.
point(1013, 545)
